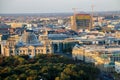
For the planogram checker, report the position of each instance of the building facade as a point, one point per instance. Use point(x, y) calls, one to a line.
point(117, 67)
point(89, 56)
point(81, 21)
point(27, 44)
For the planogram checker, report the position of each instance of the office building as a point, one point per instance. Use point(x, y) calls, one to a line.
point(81, 21)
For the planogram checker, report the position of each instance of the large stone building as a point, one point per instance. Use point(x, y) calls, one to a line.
point(89, 55)
point(61, 43)
point(28, 44)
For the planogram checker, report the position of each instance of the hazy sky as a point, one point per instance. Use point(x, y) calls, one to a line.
point(53, 6)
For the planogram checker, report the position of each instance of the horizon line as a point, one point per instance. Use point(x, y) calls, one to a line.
point(58, 12)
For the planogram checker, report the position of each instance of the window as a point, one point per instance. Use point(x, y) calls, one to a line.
point(48, 50)
point(11, 51)
point(38, 50)
point(41, 50)
point(20, 51)
point(23, 51)
point(17, 51)
point(29, 50)
point(35, 50)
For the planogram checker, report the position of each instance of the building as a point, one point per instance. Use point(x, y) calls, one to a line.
point(4, 28)
point(63, 46)
point(115, 56)
point(30, 44)
point(81, 21)
point(15, 24)
point(83, 54)
point(27, 44)
point(89, 55)
point(61, 43)
point(117, 67)
point(0, 43)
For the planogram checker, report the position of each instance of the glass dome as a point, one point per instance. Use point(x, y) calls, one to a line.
point(28, 38)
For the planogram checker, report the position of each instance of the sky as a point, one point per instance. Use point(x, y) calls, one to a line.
point(56, 6)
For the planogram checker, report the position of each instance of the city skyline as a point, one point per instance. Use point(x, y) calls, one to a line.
point(56, 6)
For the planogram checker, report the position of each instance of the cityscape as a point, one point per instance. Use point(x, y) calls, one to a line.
point(81, 43)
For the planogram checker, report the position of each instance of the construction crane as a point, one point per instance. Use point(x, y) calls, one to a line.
point(92, 22)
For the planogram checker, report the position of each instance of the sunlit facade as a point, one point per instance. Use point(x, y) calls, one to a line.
point(81, 21)
point(27, 44)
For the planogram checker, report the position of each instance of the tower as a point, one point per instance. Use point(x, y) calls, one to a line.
point(81, 21)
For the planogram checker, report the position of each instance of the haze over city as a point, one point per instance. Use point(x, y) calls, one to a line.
point(56, 6)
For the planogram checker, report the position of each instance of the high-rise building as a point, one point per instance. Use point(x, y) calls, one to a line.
point(81, 21)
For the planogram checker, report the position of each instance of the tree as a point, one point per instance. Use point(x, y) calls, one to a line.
point(44, 69)
point(33, 72)
point(21, 60)
point(22, 76)
point(64, 76)
point(8, 78)
point(14, 77)
point(67, 71)
point(30, 78)
point(57, 78)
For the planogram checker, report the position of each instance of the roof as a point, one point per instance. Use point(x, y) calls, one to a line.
point(28, 38)
point(57, 36)
point(5, 37)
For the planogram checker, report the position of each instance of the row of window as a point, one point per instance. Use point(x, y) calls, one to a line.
point(115, 58)
point(30, 50)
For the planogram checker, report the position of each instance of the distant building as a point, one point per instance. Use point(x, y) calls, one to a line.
point(0, 37)
point(0, 43)
point(4, 28)
point(90, 55)
point(15, 25)
point(80, 53)
point(117, 27)
point(81, 21)
point(115, 56)
point(117, 67)
point(60, 21)
point(63, 46)
point(60, 43)
point(27, 44)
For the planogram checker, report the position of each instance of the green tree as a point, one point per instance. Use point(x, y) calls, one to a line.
point(8, 78)
point(14, 77)
point(21, 60)
point(44, 69)
point(57, 78)
point(33, 72)
point(22, 76)
point(63, 76)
